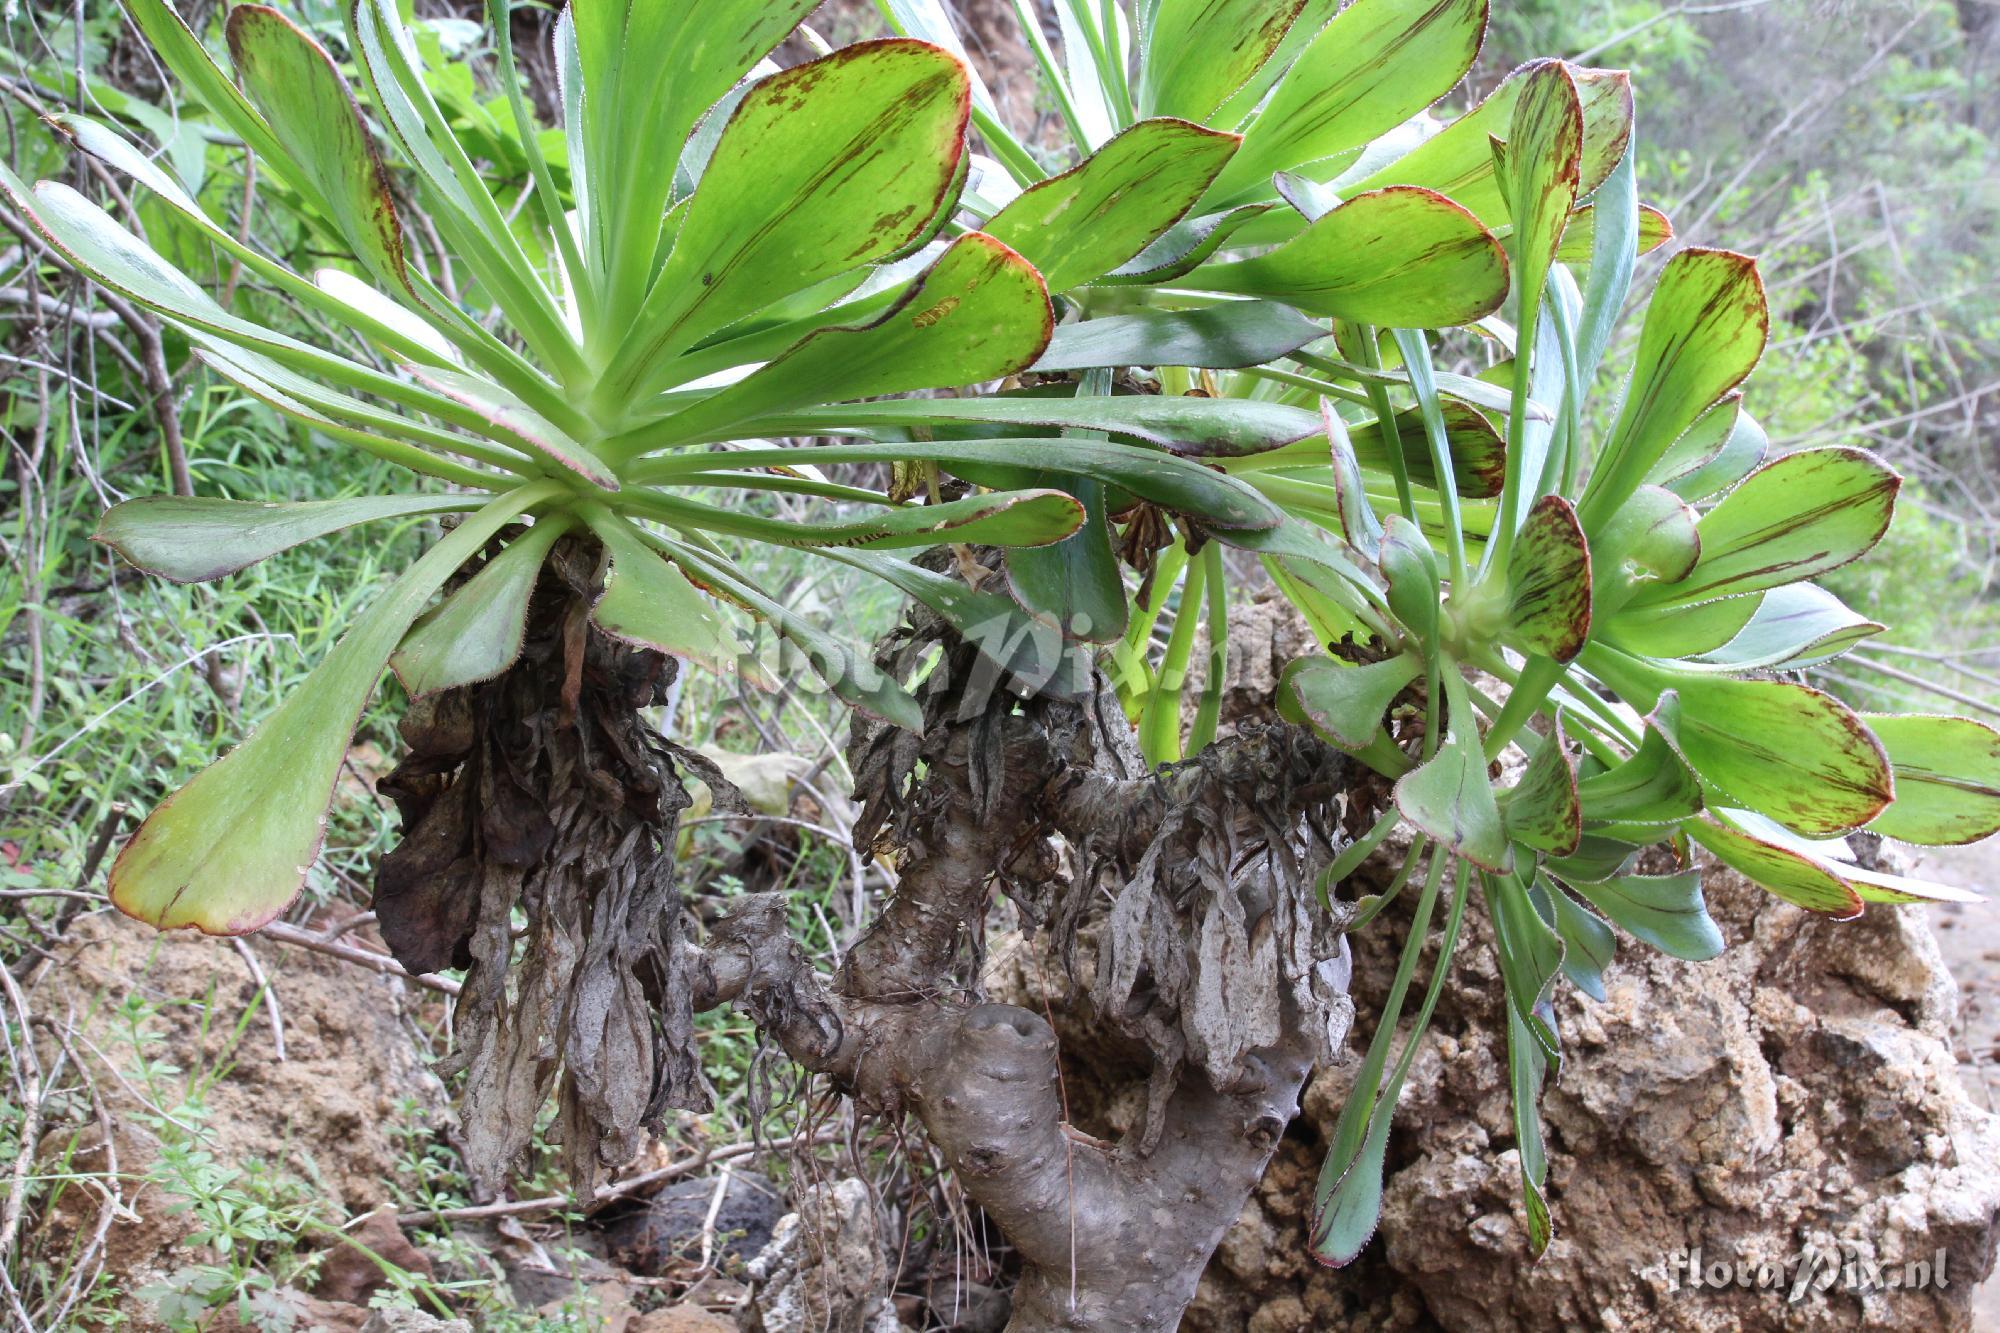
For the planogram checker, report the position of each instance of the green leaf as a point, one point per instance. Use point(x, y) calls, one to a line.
point(1548, 582)
point(1947, 778)
point(1879, 886)
point(1665, 911)
point(649, 602)
point(1589, 945)
point(456, 196)
point(1596, 859)
point(510, 419)
point(649, 71)
point(1410, 570)
point(1173, 483)
point(1312, 17)
point(1789, 521)
point(1347, 1202)
point(1032, 517)
point(930, 21)
point(1543, 808)
point(1450, 797)
point(1077, 582)
point(1783, 749)
point(1531, 954)
point(1698, 445)
point(228, 852)
point(1198, 52)
point(1652, 786)
point(847, 671)
point(190, 539)
point(1655, 530)
point(1612, 258)
point(1228, 336)
point(95, 244)
point(1679, 631)
point(1026, 519)
point(1074, 582)
point(791, 199)
point(1358, 523)
point(978, 313)
point(357, 305)
point(1740, 454)
point(1351, 1209)
point(311, 111)
point(1579, 241)
point(476, 633)
point(1705, 329)
point(1798, 625)
point(1542, 161)
point(389, 434)
point(182, 52)
point(1798, 879)
point(1346, 704)
point(1477, 451)
point(1032, 650)
point(1402, 258)
point(1458, 160)
point(1183, 247)
point(1103, 212)
point(1378, 63)
point(1202, 427)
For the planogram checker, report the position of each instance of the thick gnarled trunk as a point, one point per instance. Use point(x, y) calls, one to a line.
point(545, 791)
point(1111, 1237)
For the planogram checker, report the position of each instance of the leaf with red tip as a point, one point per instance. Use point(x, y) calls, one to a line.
point(476, 633)
point(1705, 329)
point(822, 167)
point(1401, 258)
point(978, 313)
point(1785, 750)
point(648, 601)
point(1542, 809)
point(1798, 879)
point(228, 852)
point(1947, 778)
point(1548, 582)
point(1378, 63)
point(1791, 520)
point(1084, 223)
point(312, 112)
point(1458, 160)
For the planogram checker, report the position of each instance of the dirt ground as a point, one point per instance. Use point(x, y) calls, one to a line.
point(1969, 935)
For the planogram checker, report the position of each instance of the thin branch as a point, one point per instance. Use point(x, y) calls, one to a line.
point(608, 1193)
point(350, 953)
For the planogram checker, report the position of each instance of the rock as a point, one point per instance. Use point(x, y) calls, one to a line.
point(603, 1306)
point(1798, 1091)
point(665, 1230)
point(681, 1319)
point(824, 1270)
point(350, 1272)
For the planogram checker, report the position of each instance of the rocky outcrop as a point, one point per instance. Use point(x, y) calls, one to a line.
point(825, 1268)
point(1792, 1103)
